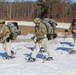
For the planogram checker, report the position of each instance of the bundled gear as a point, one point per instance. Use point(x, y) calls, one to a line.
point(51, 27)
point(14, 29)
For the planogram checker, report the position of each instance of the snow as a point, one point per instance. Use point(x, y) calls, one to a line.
point(63, 63)
point(63, 25)
point(27, 23)
point(23, 23)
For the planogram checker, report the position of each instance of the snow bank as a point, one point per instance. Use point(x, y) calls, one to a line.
point(26, 23)
point(63, 25)
point(23, 23)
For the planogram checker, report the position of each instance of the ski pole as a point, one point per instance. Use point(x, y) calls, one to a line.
point(63, 41)
point(43, 56)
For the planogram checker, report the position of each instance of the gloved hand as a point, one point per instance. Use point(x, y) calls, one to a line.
point(19, 32)
point(33, 37)
point(49, 36)
point(55, 35)
point(0, 37)
point(65, 30)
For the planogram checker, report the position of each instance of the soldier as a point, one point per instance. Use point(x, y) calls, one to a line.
point(51, 28)
point(72, 29)
point(5, 39)
point(41, 38)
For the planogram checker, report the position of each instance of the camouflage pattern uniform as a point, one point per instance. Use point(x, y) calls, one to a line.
point(72, 29)
point(40, 34)
point(5, 38)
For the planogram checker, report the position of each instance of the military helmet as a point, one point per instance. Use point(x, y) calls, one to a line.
point(36, 20)
point(2, 21)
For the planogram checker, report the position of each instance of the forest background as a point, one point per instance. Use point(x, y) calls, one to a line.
point(60, 10)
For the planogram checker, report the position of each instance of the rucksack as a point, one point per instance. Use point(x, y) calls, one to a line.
point(74, 22)
point(14, 29)
point(73, 26)
point(52, 22)
point(50, 26)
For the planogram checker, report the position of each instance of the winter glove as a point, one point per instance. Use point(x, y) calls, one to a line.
point(54, 35)
point(0, 37)
point(19, 32)
point(65, 30)
point(33, 37)
point(49, 36)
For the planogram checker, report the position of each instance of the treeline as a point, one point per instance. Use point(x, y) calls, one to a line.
point(61, 10)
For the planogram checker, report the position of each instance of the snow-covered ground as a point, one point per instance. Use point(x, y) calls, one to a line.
point(63, 63)
point(26, 23)
point(23, 23)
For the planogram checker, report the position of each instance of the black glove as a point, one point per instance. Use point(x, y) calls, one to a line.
point(18, 32)
point(49, 36)
point(65, 30)
point(54, 35)
point(0, 37)
point(33, 37)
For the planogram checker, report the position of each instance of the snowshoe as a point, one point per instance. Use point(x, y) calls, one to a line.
point(8, 57)
point(12, 52)
point(48, 59)
point(30, 59)
point(72, 52)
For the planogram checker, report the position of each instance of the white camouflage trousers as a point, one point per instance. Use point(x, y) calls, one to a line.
point(74, 47)
point(44, 44)
point(6, 46)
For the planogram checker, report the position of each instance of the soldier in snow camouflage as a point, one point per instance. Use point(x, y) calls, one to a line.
point(41, 38)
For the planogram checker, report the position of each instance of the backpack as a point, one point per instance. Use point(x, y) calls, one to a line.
point(73, 26)
point(14, 29)
point(50, 26)
point(51, 22)
point(74, 23)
